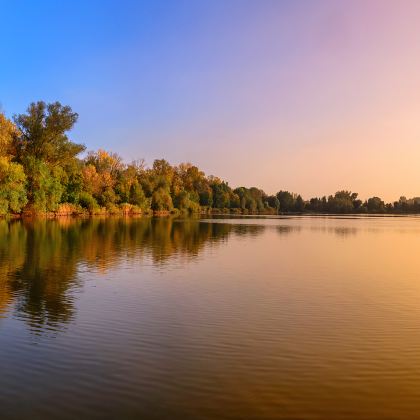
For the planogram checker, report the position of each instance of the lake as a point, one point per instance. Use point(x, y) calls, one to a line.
point(224, 318)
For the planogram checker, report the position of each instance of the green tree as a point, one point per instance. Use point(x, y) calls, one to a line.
point(161, 200)
point(299, 204)
point(287, 201)
point(206, 196)
point(42, 133)
point(342, 202)
point(12, 187)
point(375, 205)
point(87, 201)
point(44, 186)
point(137, 196)
point(221, 193)
point(273, 202)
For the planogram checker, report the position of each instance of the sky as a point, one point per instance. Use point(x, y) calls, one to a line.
point(307, 96)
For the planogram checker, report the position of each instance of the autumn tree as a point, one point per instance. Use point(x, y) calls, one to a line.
point(8, 133)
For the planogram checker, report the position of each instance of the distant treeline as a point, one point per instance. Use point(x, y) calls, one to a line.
point(41, 173)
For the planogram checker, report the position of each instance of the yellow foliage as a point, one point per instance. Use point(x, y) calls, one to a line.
point(7, 131)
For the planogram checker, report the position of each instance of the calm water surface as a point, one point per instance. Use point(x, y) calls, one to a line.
point(246, 318)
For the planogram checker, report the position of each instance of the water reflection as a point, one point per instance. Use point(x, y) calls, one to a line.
point(284, 229)
point(342, 231)
point(39, 260)
point(250, 318)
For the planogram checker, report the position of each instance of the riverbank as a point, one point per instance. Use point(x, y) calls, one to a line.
point(177, 213)
point(71, 210)
point(128, 210)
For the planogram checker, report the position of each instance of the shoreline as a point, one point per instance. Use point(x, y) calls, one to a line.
point(177, 213)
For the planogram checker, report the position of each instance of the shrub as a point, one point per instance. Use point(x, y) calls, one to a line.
point(88, 202)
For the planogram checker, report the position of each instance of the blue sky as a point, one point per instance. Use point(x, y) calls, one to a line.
point(135, 71)
point(278, 94)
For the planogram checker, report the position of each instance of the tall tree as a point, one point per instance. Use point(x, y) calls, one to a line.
point(42, 133)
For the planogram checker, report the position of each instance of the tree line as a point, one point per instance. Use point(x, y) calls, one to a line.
point(41, 172)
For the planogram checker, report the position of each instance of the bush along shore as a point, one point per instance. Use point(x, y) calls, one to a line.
point(42, 173)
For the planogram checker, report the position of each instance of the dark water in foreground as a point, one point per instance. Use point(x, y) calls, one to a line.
point(291, 318)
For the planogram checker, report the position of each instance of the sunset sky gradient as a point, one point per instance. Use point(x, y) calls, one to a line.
point(308, 96)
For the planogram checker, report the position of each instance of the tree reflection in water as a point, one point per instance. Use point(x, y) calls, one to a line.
point(40, 259)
